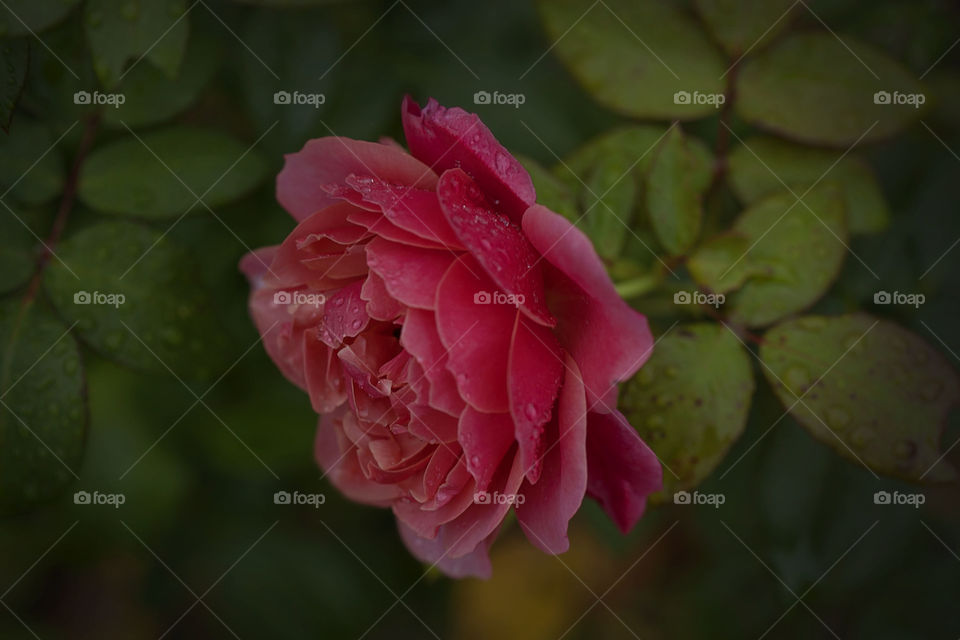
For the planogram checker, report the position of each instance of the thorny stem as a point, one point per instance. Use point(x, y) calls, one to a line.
point(66, 205)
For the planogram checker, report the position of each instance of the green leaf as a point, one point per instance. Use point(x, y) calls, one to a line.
point(15, 59)
point(23, 17)
point(674, 193)
point(126, 178)
point(31, 168)
point(611, 168)
point(761, 166)
point(153, 29)
point(716, 264)
point(797, 251)
point(551, 191)
point(608, 201)
point(874, 390)
point(152, 97)
point(810, 87)
point(136, 300)
point(43, 415)
point(745, 25)
point(633, 56)
point(690, 401)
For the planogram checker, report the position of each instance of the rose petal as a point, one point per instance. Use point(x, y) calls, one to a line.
point(330, 160)
point(480, 520)
point(431, 425)
point(322, 373)
point(550, 503)
point(375, 222)
point(344, 315)
point(314, 238)
point(419, 336)
point(338, 458)
point(475, 564)
point(622, 470)
point(497, 244)
point(486, 438)
point(535, 371)
point(477, 338)
point(380, 304)
point(448, 138)
point(607, 338)
point(414, 210)
point(410, 274)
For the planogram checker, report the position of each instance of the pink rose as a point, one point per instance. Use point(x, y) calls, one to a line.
point(462, 343)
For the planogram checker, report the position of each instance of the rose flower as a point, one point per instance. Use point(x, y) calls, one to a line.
point(462, 343)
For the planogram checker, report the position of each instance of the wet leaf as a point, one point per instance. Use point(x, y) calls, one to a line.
point(870, 389)
point(745, 25)
point(43, 413)
point(761, 166)
point(796, 252)
point(141, 178)
point(31, 166)
point(150, 96)
point(690, 401)
point(674, 194)
point(155, 30)
point(137, 300)
point(812, 88)
point(634, 56)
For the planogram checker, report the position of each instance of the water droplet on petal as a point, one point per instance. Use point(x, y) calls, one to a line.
point(531, 411)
